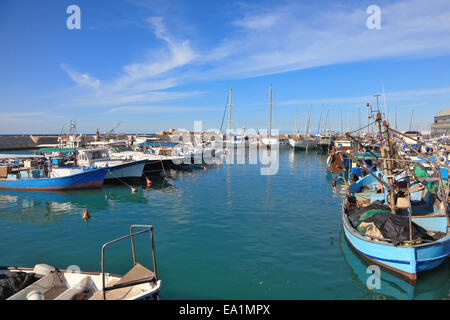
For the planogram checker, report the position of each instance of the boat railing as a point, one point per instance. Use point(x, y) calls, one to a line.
point(149, 229)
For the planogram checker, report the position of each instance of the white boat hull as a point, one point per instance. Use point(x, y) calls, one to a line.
point(126, 170)
point(304, 144)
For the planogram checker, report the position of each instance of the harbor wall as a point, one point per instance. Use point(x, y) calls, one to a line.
point(25, 142)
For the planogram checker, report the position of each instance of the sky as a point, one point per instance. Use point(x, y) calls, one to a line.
point(144, 66)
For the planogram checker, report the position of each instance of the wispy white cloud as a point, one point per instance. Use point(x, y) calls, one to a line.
point(140, 82)
point(268, 40)
point(290, 37)
point(81, 79)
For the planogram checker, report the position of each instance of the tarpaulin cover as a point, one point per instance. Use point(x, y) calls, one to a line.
point(393, 227)
point(13, 282)
point(421, 172)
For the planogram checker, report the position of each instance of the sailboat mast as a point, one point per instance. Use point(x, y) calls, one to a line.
point(296, 121)
point(270, 112)
point(309, 121)
point(359, 118)
point(395, 116)
point(411, 124)
point(229, 115)
point(326, 123)
point(320, 121)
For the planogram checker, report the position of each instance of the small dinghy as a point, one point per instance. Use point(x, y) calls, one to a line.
point(44, 282)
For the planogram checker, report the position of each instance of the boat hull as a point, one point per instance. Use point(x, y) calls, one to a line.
point(303, 144)
point(407, 261)
point(129, 170)
point(86, 179)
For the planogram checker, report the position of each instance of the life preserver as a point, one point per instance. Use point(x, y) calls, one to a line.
point(442, 160)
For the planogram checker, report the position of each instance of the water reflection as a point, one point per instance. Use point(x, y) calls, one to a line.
point(433, 284)
point(45, 207)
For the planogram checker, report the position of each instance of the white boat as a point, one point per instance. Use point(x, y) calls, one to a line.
point(342, 143)
point(44, 282)
point(118, 169)
point(270, 142)
point(303, 144)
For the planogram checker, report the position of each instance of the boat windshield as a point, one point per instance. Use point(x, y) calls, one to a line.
point(98, 154)
point(122, 148)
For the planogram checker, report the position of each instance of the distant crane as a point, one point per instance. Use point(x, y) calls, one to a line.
point(114, 128)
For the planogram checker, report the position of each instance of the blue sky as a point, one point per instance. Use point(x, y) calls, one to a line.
point(155, 65)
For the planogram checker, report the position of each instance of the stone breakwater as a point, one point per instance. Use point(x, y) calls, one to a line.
point(25, 142)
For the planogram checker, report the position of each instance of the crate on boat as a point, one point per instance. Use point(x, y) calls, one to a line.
point(30, 163)
point(3, 171)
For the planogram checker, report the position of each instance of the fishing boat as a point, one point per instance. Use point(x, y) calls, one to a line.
point(429, 287)
point(33, 179)
point(44, 282)
point(117, 169)
point(325, 143)
point(394, 220)
point(306, 143)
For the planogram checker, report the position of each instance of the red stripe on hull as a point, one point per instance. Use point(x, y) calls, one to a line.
point(410, 276)
point(87, 185)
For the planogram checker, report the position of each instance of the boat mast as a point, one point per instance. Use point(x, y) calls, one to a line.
point(395, 116)
point(411, 124)
point(320, 121)
point(386, 113)
point(229, 115)
point(387, 150)
point(309, 121)
point(296, 121)
point(359, 119)
point(270, 112)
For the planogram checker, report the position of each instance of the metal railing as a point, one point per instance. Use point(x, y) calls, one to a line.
point(148, 228)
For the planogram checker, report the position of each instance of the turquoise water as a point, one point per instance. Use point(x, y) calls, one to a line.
point(223, 233)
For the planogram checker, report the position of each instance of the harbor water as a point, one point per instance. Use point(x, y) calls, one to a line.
point(227, 232)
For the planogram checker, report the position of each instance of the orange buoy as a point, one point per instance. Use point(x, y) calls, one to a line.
point(205, 168)
point(149, 182)
point(86, 215)
point(133, 190)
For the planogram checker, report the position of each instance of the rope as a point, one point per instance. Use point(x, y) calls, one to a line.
point(119, 179)
point(362, 127)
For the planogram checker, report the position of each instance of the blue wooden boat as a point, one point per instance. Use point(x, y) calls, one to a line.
point(88, 178)
point(406, 259)
point(429, 286)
